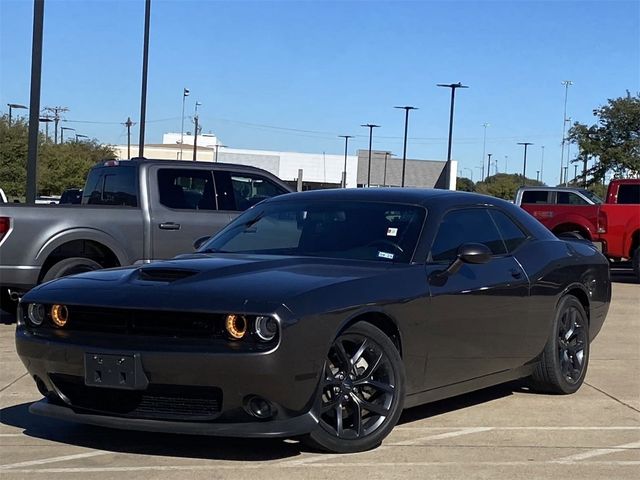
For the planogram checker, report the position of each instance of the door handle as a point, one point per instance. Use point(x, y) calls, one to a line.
point(515, 273)
point(169, 226)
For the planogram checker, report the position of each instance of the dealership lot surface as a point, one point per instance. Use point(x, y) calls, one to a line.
point(503, 432)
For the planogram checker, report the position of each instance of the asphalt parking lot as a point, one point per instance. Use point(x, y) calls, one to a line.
point(503, 432)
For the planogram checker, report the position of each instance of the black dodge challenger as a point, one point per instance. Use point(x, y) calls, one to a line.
point(319, 315)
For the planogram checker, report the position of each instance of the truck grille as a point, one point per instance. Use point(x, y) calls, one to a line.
point(158, 402)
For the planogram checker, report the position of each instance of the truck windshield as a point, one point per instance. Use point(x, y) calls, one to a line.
point(591, 196)
point(358, 230)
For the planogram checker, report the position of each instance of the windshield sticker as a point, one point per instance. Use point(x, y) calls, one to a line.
point(385, 255)
point(392, 232)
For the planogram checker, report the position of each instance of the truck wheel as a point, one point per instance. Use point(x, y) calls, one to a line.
point(70, 266)
point(636, 263)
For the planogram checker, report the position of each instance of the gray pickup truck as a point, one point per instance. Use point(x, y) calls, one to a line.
point(132, 211)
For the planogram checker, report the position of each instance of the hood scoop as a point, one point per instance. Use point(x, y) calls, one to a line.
point(151, 274)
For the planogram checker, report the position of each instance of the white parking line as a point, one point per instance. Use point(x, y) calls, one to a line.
point(597, 452)
point(406, 429)
point(64, 458)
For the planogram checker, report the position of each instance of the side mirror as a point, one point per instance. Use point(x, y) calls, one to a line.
point(472, 253)
point(200, 241)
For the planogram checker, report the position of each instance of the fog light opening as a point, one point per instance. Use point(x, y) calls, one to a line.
point(259, 408)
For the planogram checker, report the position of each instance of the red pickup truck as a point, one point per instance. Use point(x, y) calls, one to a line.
point(613, 225)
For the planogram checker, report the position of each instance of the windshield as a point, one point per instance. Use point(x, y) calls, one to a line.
point(591, 196)
point(384, 232)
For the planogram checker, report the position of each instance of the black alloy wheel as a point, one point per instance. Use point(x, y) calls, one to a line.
point(361, 392)
point(563, 364)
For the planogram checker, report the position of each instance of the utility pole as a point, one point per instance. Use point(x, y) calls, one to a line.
point(567, 84)
point(484, 142)
point(524, 166)
point(344, 173)
point(128, 124)
point(489, 164)
point(406, 129)
point(195, 137)
point(370, 126)
point(584, 172)
point(56, 111)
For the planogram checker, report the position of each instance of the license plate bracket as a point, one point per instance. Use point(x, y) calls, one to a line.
point(114, 371)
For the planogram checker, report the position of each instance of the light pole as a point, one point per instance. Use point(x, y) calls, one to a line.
point(62, 129)
point(506, 160)
point(567, 84)
point(406, 129)
point(542, 162)
point(524, 166)
point(489, 164)
point(80, 136)
point(370, 126)
point(453, 87)
point(46, 120)
point(145, 71)
point(484, 141)
point(537, 175)
point(344, 173)
point(185, 94)
point(217, 146)
point(11, 107)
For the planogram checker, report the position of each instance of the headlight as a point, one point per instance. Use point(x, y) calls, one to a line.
point(59, 315)
point(35, 312)
point(236, 326)
point(266, 328)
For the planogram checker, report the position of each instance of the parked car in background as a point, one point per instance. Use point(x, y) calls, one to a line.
point(321, 314)
point(47, 200)
point(613, 225)
point(132, 211)
point(71, 196)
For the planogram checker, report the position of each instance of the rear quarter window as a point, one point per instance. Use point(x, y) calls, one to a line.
point(629, 194)
point(111, 186)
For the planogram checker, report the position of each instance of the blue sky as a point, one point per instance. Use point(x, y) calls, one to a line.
point(265, 70)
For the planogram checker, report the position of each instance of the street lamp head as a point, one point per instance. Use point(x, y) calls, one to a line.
point(407, 107)
point(452, 85)
point(15, 105)
point(370, 125)
point(45, 119)
point(185, 92)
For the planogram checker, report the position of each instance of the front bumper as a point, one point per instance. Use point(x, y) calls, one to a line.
point(290, 427)
point(286, 377)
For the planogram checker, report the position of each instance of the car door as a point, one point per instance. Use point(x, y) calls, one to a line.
point(476, 317)
point(183, 208)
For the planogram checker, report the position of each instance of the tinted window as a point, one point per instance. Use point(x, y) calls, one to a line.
point(569, 198)
point(629, 194)
point(186, 189)
point(535, 196)
point(357, 230)
point(112, 186)
point(511, 233)
point(465, 226)
point(236, 191)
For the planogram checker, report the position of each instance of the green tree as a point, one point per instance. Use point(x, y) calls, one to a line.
point(503, 185)
point(60, 166)
point(463, 184)
point(614, 141)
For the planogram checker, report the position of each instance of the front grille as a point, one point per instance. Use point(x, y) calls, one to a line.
point(144, 322)
point(158, 402)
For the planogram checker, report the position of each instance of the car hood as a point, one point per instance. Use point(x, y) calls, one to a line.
point(205, 282)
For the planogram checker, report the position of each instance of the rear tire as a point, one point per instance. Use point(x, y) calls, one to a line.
point(70, 266)
point(564, 361)
point(361, 393)
point(635, 261)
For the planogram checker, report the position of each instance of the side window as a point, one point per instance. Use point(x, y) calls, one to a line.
point(112, 186)
point(511, 233)
point(570, 198)
point(186, 189)
point(535, 196)
point(242, 191)
point(471, 225)
point(629, 194)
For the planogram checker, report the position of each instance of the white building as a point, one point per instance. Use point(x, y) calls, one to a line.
point(317, 170)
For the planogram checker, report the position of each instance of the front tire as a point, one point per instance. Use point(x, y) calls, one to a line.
point(564, 361)
point(361, 393)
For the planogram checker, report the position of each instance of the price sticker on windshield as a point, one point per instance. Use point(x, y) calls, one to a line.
point(385, 255)
point(392, 232)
